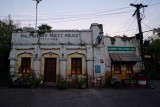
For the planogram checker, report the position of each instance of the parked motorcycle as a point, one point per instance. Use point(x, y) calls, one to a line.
point(116, 82)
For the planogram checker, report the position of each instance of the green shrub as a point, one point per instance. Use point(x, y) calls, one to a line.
point(62, 84)
point(32, 80)
point(82, 82)
point(155, 75)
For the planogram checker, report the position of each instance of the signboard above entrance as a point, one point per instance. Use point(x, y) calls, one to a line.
point(118, 48)
point(55, 37)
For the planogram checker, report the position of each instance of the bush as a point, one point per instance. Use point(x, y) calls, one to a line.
point(32, 80)
point(155, 75)
point(82, 82)
point(62, 84)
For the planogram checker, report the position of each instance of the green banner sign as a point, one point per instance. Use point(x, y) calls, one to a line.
point(113, 48)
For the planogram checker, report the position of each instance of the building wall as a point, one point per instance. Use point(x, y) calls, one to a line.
point(121, 42)
point(66, 44)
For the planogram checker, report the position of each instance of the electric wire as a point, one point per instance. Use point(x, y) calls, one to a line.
point(149, 2)
point(146, 25)
point(135, 1)
point(129, 26)
point(99, 15)
point(121, 31)
point(154, 4)
point(85, 11)
point(135, 30)
point(73, 13)
point(88, 16)
point(125, 23)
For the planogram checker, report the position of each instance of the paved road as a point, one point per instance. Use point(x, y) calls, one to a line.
point(102, 97)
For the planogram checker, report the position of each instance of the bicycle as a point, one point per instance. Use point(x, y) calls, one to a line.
point(150, 84)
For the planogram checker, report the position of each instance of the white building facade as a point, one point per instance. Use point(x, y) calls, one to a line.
point(71, 52)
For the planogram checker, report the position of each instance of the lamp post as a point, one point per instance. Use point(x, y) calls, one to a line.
point(37, 1)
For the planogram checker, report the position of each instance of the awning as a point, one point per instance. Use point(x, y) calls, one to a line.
point(124, 57)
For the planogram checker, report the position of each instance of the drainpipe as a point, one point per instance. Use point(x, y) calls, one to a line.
point(93, 57)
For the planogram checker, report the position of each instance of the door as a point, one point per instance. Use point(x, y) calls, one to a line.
point(50, 70)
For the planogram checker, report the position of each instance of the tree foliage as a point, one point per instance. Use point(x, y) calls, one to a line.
point(44, 27)
point(6, 28)
point(154, 48)
point(154, 44)
point(157, 31)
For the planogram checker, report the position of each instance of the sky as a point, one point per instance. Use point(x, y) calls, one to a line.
point(115, 15)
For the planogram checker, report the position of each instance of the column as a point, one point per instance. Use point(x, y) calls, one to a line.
point(12, 58)
point(63, 61)
point(37, 59)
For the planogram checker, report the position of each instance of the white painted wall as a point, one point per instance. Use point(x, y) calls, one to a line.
point(66, 42)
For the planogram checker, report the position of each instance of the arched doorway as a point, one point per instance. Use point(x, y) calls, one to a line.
point(49, 66)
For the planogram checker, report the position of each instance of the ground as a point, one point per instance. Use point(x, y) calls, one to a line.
point(99, 97)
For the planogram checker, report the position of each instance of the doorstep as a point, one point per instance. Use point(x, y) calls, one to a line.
point(48, 85)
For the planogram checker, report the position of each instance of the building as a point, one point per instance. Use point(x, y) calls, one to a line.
point(70, 52)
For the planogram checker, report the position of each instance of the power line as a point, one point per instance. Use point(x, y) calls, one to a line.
point(145, 2)
point(135, 1)
point(154, 4)
point(116, 9)
point(146, 25)
point(129, 26)
point(76, 19)
point(150, 29)
point(125, 23)
point(109, 10)
point(136, 30)
point(75, 13)
point(122, 31)
point(149, 2)
point(96, 11)
point(99, 15)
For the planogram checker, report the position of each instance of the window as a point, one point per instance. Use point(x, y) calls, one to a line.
point(25, 64)
point(76, 66)
point(129, 68)
point(117, 68)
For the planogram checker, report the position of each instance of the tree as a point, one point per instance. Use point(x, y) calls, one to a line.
point(157, 31)
point(44, 27)
point(152, 48)
point(6, 28)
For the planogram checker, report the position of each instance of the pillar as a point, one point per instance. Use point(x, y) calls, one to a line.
point(37, 57)
point(63, 61)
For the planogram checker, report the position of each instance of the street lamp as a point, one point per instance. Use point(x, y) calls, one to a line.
point(37, 1)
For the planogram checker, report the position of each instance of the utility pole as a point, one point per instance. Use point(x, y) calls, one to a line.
point(137, 13)
point(37, 1)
